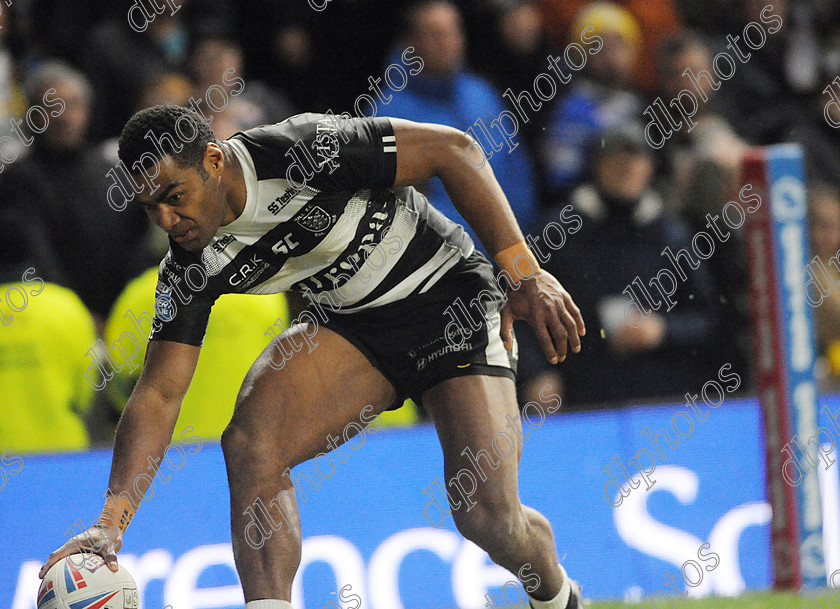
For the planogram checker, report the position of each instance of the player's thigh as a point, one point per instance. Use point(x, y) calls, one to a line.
point(290, 405)
point(474, 414)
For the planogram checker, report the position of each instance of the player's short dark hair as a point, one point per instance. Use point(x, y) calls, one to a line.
point(150, 133)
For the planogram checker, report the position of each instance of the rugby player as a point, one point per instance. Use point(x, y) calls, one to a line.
point(345, 227)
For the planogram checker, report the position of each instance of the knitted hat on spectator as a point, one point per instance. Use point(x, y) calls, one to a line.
point(627, 137)
point(608, 18)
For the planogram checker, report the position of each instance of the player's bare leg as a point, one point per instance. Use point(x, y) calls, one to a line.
point(282, 417)
point(469, 411)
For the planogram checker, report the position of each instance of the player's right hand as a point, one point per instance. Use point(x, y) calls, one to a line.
point(98, 539)
point(548, 307)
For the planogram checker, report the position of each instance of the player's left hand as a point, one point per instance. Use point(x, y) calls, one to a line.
point(98, 539)
point(548, 307)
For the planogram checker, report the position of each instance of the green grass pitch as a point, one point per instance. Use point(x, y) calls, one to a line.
point(761, 600)
point(754, 600)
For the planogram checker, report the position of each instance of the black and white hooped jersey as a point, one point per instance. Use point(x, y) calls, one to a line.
point(321, 218)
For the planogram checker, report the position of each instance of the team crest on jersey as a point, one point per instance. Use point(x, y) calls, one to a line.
point(164, 304)
point(315, 220)
point(211, 260)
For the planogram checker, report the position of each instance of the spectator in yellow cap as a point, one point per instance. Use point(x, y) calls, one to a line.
point(608, 20)
point(656, 19)
point(600, 95)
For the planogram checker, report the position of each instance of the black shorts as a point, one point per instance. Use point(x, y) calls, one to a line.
point(451, 330)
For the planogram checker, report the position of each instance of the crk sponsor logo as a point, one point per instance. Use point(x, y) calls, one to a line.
point(276, 206)
point(222, 243)
point(245, 270)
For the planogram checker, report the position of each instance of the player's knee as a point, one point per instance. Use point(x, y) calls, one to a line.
point(492, 525)
point(239, 442)
point(233, 439)
point(247, 431)
point(469, 524)
point(248, 443)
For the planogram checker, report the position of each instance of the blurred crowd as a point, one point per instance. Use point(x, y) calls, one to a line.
point(583, 146)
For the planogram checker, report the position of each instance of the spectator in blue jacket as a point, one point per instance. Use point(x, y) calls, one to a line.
point(446, 92)
point(601, 96)
point(622, 231)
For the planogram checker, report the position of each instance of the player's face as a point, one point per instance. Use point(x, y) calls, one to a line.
point(189, 206)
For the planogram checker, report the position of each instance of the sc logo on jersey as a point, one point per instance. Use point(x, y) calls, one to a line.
point(285, 245)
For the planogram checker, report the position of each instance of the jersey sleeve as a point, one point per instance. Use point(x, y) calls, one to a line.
point(361, 154)
point(181, 314)
point(325, 151)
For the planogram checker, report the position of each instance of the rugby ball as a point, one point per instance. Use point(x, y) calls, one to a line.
point(82, 581)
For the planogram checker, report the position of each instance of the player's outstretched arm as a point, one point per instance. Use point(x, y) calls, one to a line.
point(143, 434)
point(425, 151)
